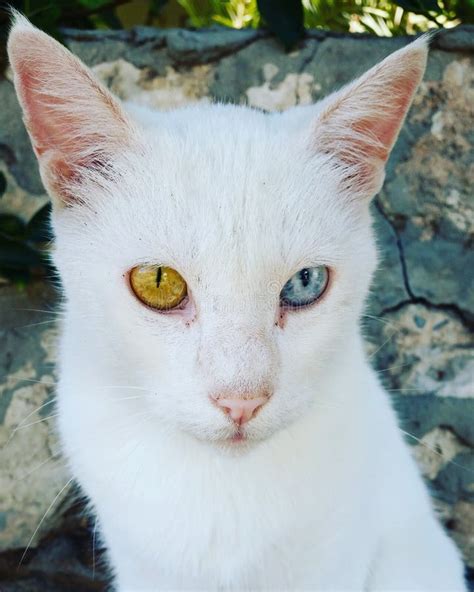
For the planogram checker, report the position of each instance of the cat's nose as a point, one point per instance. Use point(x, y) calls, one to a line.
point(240, 410)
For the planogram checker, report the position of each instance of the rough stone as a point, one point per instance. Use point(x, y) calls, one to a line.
point(16, 200)
point(189, 46)
point(144, 87)
point(32, 471)
point(427, 196)
point(15, 150)
point(436, 450)
point(459, 39)
point(419, 319)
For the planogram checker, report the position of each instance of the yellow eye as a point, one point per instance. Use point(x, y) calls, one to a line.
point(158, 286)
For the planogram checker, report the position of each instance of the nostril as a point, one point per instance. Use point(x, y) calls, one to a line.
point(241, 410)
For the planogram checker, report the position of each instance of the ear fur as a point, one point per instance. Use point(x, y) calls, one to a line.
point(74, 122)
point(359, 124)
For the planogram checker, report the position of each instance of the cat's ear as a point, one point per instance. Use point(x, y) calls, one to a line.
point(75, 125)
point(359, 124)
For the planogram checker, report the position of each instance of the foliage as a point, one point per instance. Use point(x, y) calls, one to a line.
point(23, 247)
point(379, 17)
point(237, 14)
point(286, 18)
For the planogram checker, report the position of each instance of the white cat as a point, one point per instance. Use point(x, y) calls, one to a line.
point(215, 401)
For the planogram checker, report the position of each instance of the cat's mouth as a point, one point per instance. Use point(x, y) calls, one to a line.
point(237, 437)
point(238, 440)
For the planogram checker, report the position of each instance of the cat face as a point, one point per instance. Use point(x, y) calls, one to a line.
point(236, 226)
point(236, 202)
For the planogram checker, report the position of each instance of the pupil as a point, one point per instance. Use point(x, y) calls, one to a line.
point(304, 277)
point(158, 277)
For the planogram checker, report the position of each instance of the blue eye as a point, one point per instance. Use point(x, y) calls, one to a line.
point(305, 287)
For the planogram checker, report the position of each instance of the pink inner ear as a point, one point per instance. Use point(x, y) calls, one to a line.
point(74, 125)
point(35, 102)
point(54, 104)
point(385, 126)
point(73, 121)
point(51, 130)
point(361, 122)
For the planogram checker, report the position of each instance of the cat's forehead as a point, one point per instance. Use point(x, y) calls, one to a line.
point(231, 189)
point(237, 167)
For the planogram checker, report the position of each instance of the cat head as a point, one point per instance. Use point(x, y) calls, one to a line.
point(215, 257)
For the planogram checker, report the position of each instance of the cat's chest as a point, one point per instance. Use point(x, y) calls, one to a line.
point(224, 523)
point(194, 536)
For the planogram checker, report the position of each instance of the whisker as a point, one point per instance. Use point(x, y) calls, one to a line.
point(32, 380)
point(42, 520)
point(456, 464)
point(389, 338)
point(94, 533)
point(126, 386)
point(406, 390)
point(382, 320)
point(129, 398)
point(52, 321)
point(35, 411)
point(51, 312)
point(395, 367)
point(41, 464)
point(22, 427)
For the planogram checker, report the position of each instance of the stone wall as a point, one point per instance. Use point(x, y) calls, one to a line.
point(420, 318)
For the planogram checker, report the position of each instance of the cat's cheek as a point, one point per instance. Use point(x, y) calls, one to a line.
point(189, 313)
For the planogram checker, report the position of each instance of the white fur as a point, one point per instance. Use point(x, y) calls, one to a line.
point(324, 494)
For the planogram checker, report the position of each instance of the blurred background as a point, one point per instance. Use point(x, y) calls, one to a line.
point(286, 18)
point(380, 17)
point(271, 55)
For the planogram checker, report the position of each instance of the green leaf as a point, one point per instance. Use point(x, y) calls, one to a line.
point(430, 5)
point(419, 6)
point(19, 277)
point(465, 11)
point(285, 18)
point(15, 254)
point(44, 14)
point(39, 227)
point(157, 5)
point(110, 19)
point(3, 184)
point(12, 226)
point(93, 3)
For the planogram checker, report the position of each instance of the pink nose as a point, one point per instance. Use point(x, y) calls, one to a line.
point(241, 410)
